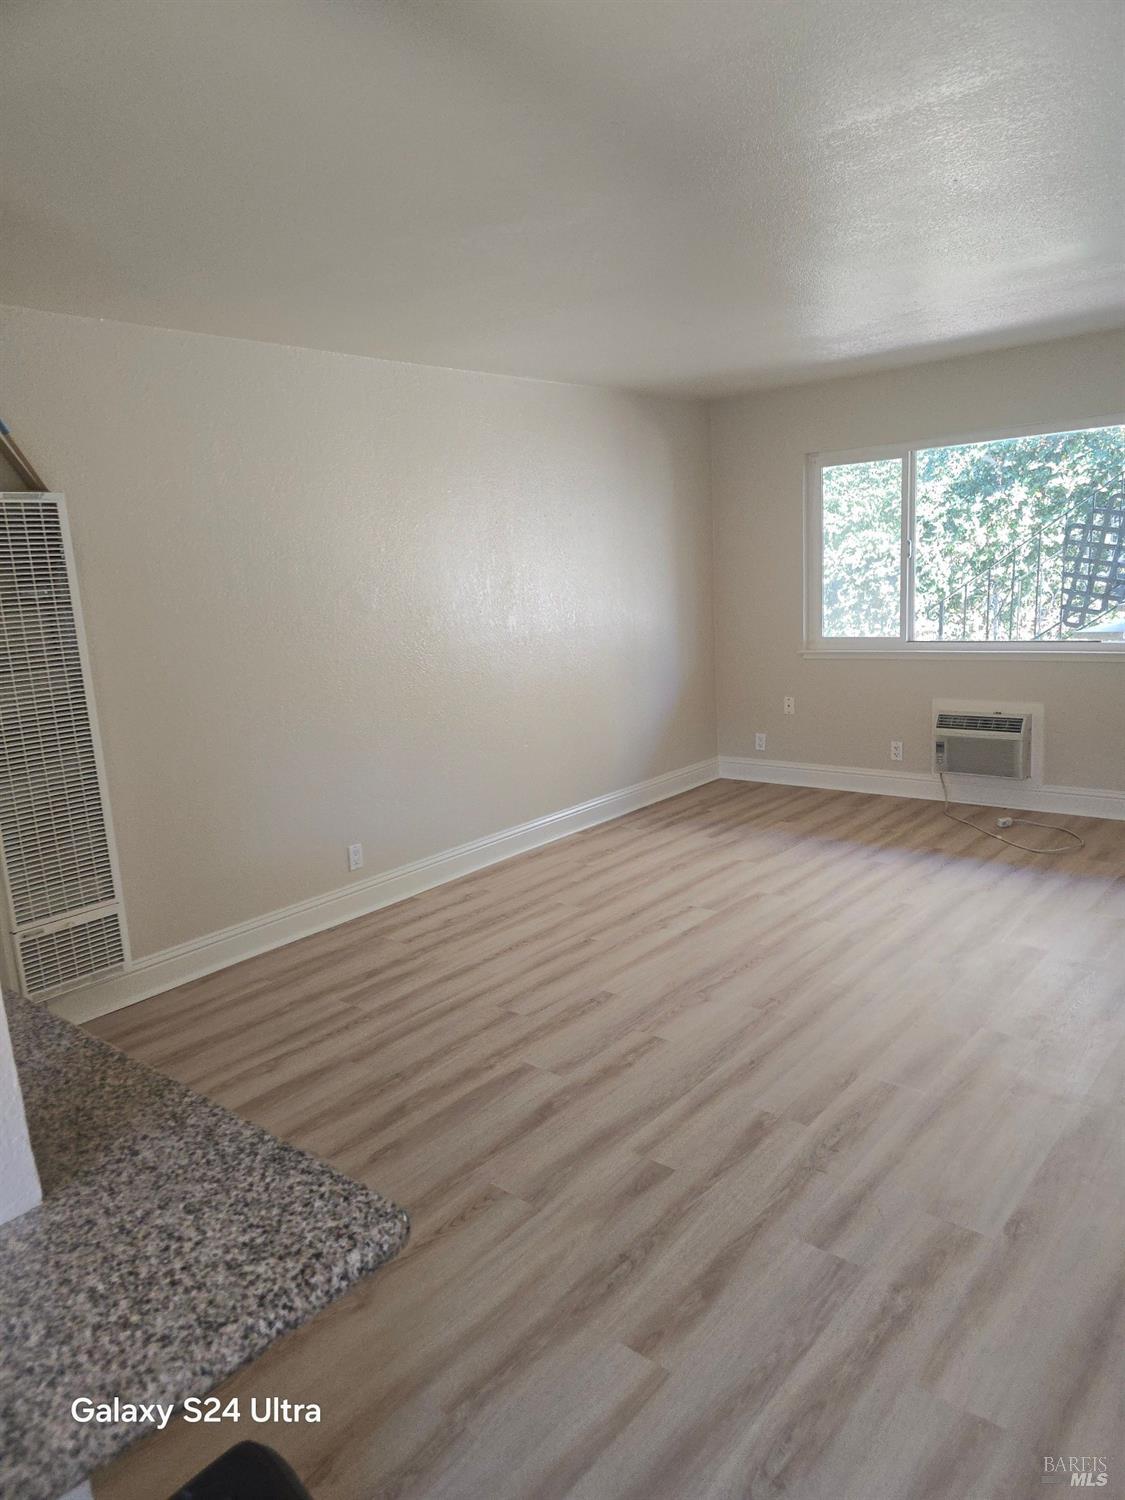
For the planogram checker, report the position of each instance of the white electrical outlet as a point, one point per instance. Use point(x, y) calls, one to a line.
point(355, 856)
point(790, 705)
point(896, 749)
point(759, 742)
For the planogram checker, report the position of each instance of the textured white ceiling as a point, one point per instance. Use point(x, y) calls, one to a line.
point(696, 195)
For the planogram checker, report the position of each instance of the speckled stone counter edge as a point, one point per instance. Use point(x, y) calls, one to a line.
point(175, 1242)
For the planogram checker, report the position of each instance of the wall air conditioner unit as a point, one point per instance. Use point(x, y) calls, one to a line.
point(990, 744)
point(64, 918)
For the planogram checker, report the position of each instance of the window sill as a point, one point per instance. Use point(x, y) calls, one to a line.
point(946, 650)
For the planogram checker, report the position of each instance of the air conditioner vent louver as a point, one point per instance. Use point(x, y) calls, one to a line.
point(969, 743)
point(992, 723)
point(65, 954)
point(55, 835)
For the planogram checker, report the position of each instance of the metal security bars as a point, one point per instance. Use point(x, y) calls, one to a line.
point(1093, 583)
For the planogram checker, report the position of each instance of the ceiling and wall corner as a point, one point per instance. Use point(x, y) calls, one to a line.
point(587, 195)
point(661, 194)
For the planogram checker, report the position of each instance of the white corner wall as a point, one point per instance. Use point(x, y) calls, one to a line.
point(332, 599)
point(19, 1180)
point(848, 710)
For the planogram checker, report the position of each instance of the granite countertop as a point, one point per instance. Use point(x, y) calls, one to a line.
point(174, 1243)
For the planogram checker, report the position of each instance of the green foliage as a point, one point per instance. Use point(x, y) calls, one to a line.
point(862, 533)
point(990, 519)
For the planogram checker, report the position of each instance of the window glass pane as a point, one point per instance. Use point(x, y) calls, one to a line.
point(862, 548)
point(1020, 539)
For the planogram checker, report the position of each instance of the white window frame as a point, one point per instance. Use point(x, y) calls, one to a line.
point(819, 645)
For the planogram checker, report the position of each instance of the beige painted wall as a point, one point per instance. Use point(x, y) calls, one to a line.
point(334, 599)
point(848, 711)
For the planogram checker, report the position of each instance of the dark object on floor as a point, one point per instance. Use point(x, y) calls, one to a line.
point(248, 1471)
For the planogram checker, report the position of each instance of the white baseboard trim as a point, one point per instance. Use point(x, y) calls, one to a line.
point(218, 950)
point(977, 791)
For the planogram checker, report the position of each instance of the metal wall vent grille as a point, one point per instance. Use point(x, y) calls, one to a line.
point(996, 723)
point(65, 954)
point(55, 836)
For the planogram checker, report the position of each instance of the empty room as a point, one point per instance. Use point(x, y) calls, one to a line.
point(562, 749)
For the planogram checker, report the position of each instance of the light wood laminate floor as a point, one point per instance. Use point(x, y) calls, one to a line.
point(765, 1142)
